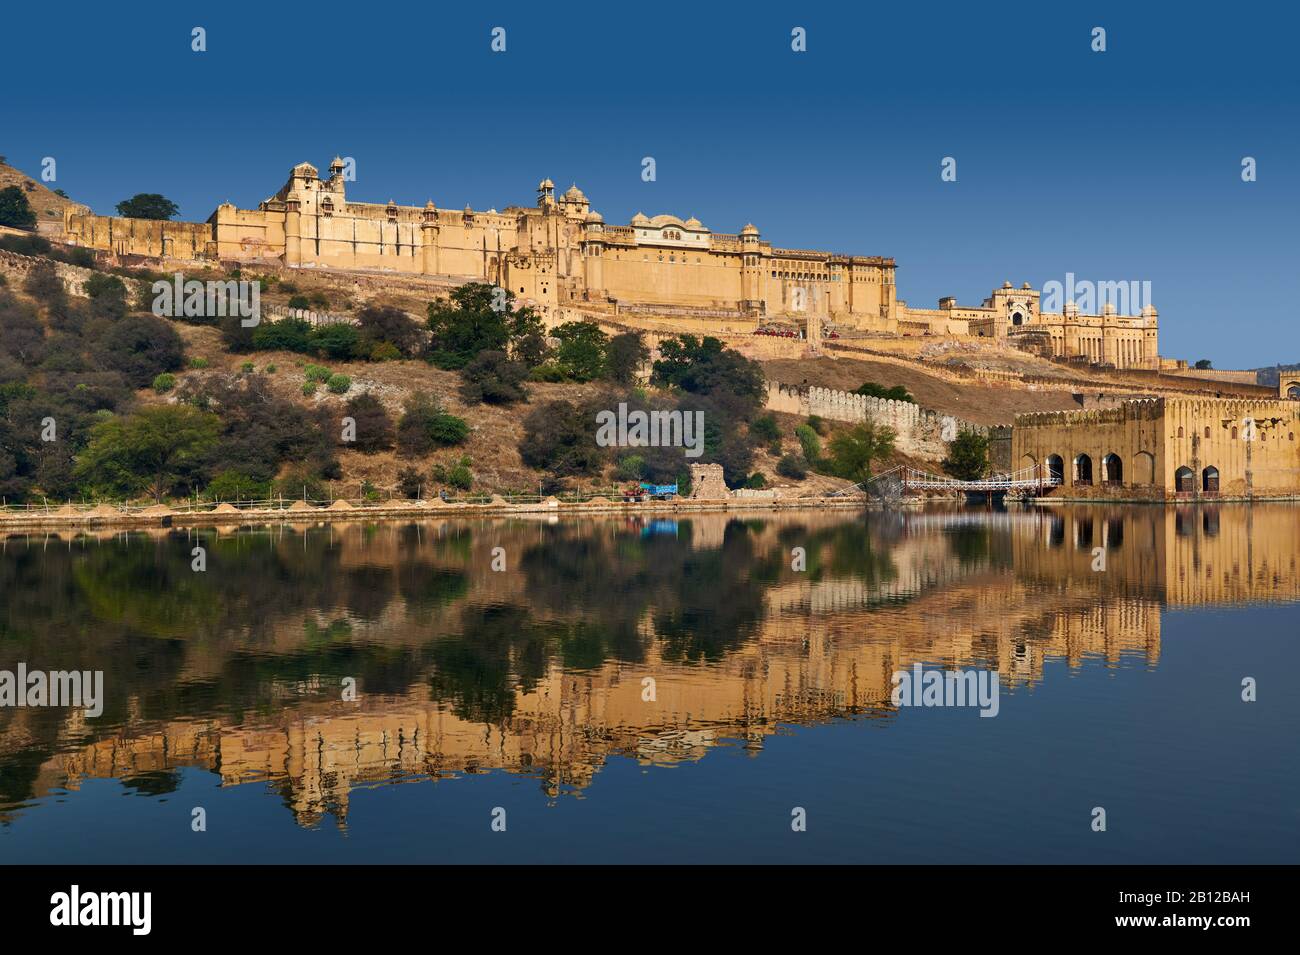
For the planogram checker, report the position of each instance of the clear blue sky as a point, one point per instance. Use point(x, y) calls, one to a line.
point(1115, 166)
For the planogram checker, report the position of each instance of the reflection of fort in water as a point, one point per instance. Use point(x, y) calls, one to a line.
point(1008, 591)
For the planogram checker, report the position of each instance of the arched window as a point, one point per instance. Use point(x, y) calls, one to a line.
point(1180, 431)
point(1056, 468)
point(1210, 480)
point(1112, 469)
point(1183, 480)
point(1083, 470)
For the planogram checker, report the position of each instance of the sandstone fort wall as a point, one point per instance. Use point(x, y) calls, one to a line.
point(920, 432)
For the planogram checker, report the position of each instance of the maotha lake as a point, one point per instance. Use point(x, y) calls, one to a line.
point(717, 688)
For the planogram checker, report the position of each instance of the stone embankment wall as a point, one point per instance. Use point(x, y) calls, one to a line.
point(920, 432)
point(276, 313)
point(16, 267)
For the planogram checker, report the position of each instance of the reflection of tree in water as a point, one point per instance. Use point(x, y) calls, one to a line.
point(716, 606)
point(134, 609)
point(477, 669)
point(608, 576)
point(852, 550)
point(154, 783)
point(979, 545)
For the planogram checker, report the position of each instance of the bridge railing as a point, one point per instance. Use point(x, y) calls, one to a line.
point(915, 479)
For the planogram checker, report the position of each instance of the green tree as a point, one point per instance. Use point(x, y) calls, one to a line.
point(147, 205)
point(765, 428)
point(374, 427)
point(704, 366)
point(560, 437)
point(141, 347)
point(154, 449)
point(808, 440)
point(791, 467)
point(626, 353)
point(15, 210)
point(382, 325)
point(480, 317)
point(853, 451)
point(338, 341)
point(425, 425)
point(1204, 364)
point(583, 350)
point(873, 390)
point(968, 456)
point(494, 379)
point(288, 334)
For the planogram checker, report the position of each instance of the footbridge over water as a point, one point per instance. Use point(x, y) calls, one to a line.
point(891, 485)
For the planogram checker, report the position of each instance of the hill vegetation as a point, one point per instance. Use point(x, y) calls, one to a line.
point(101, 399)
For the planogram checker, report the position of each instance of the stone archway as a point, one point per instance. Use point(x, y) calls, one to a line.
point(1055, 466)
point(1144, 468)
point(1112, 469)
point(1184, 480)
point(1083, 470)
point(1210, 479)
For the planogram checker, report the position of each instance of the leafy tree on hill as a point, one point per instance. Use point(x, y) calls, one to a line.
point(260, 431)
point(22, 337)
point(141, 347)
point(147, 205)
point(288, 334)
point(809, 441)
point(560, 437)
point(425, 426)
point(108, 296)
point(625, 355)
point(158, 449)
point(853, 451)
point(340, 342)
point(791, 467)
point(1203, 365)
point(374, 426)
point(494, 379)
point(968, 456)
point(706, 367)
point(873, 390)
point(480, 318)
point(583, 350)
point(382, 324)
point(15, 210)
point(765, 429)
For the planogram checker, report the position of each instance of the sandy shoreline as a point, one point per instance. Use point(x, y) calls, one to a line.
point(101, 516)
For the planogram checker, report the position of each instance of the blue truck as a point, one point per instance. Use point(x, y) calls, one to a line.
point(652, 492)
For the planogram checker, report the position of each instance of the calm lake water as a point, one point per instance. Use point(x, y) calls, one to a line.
point(662, 690)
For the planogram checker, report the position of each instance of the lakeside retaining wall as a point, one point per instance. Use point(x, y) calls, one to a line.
point(921, 432)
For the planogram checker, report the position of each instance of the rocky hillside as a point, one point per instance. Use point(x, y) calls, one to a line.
point(47, 205)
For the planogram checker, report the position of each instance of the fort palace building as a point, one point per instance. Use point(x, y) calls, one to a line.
point(1167, 448)
point(561, 253)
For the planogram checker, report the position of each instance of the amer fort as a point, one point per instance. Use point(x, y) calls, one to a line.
point(1140, 426)
point(560, 253)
